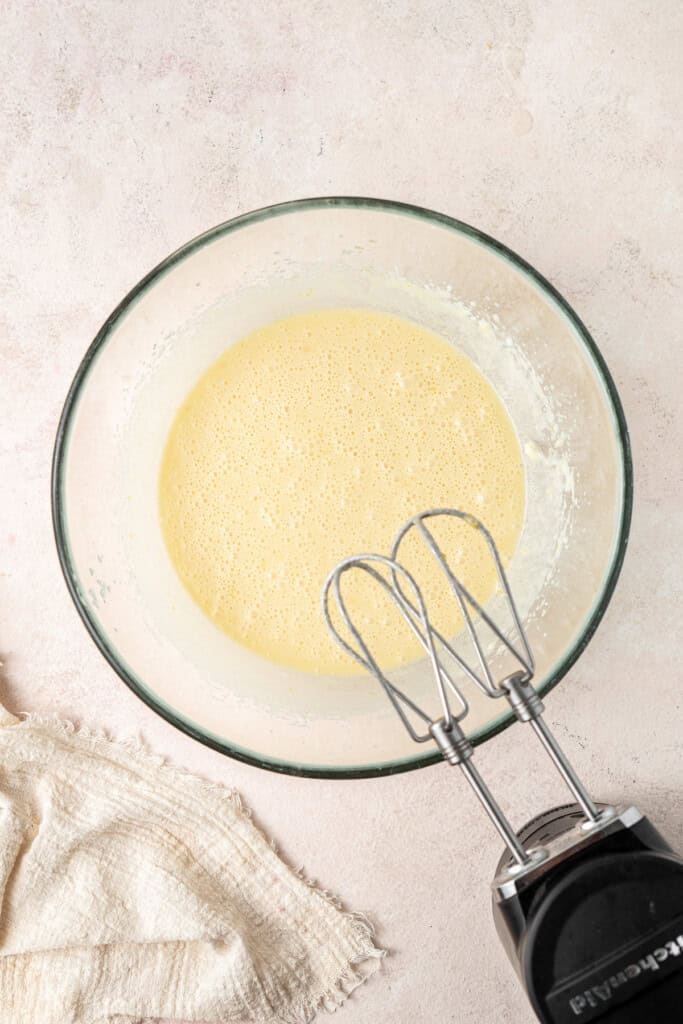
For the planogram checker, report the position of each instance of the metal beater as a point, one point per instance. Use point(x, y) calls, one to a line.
point(552, 897)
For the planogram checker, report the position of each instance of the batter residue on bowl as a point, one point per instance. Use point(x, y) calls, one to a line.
point(315, 438)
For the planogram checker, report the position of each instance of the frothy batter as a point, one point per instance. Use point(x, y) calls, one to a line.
point(315, 438)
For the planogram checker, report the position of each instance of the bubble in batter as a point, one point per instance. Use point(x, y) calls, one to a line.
point(315, 438)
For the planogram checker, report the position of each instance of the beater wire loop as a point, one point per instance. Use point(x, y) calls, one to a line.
point(414, 613)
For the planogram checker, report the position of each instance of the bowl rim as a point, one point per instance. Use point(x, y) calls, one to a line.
point(60, 453)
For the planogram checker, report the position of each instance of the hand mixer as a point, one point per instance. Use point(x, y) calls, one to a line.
point(587, 898)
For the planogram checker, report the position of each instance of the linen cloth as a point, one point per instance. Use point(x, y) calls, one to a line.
point(131, 890)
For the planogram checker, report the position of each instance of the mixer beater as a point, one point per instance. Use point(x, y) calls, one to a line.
point(588, 898)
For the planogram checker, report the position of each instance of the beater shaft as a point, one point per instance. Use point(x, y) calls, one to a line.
point(501, 823)
point(565, 769)
point(457, 750)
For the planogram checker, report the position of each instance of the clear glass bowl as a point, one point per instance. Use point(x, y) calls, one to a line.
point(271, 263)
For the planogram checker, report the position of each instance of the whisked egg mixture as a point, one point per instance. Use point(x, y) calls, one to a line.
point(315, 438)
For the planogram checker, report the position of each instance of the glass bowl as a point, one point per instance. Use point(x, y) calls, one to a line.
point(279, 261)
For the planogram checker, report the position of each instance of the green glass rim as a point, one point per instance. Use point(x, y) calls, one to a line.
point(60, 455)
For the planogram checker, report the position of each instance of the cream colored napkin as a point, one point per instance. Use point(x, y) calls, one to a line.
point(129, 890)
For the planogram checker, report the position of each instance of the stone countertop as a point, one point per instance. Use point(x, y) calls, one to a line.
point(127, 129)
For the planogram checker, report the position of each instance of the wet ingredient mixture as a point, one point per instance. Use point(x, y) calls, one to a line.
point(315, 438)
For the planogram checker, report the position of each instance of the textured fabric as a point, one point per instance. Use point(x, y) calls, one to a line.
point(129, 889)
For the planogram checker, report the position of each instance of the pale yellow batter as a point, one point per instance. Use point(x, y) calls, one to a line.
point(315, 438)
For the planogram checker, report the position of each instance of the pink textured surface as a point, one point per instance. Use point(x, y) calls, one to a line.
point(128, 128)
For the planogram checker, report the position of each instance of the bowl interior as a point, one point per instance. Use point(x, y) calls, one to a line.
point(285, 260)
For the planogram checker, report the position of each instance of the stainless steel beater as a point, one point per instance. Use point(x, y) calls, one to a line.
point(588, 898)
point(515, 687)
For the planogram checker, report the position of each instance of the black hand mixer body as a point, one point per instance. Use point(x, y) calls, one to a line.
point(596, 932)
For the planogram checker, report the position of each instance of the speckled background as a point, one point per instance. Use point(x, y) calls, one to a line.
point(129, 127)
